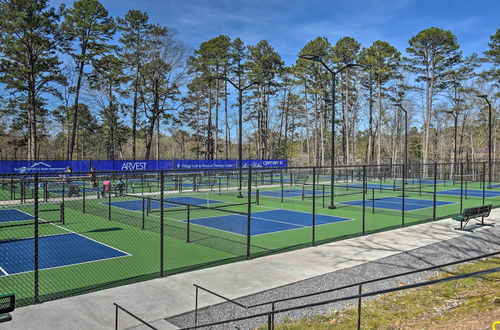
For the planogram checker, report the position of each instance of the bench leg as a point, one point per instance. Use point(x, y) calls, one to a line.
point(484, 224)
point(462, 226)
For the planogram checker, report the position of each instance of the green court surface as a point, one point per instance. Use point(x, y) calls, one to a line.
point(212, 230)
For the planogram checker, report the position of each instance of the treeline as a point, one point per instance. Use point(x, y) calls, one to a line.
point(77, 83)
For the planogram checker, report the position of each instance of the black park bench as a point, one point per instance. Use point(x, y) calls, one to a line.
point(473, 213)
point(7, 305)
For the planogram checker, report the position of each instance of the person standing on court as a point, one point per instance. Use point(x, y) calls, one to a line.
point(93, 177)
point(66, 175)
point(106, 187)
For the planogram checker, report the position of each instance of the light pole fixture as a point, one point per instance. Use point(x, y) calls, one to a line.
point(490, 147)
point(319, 59)
point(454, 113)
point(240, 89)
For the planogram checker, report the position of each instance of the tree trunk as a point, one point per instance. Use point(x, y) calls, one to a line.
point(379, 131)
point(75, 108)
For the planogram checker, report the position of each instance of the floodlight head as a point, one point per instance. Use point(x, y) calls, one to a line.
point(310, 57)
point(482, 96)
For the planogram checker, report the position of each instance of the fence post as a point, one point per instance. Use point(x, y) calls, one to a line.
point(364, 200)
point(314, 208)
point(188, 223)
point(36, 244)
point(83, 197)
point(434, 194)
point(403, 198)
point(109, 204)
point(249, 215)
point(161, 222)
point(484, 181)
point(144, 206)
point(461, 185)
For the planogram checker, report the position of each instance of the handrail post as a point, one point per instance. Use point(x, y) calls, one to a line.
point(196, 308)
point(359, 305)
point(116, 317)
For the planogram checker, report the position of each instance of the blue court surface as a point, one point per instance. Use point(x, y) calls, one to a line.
point(136, 204)
point(265, 222)
point(290, 192)
point(470, 193)
point(396, 203)
point(14, 215)
point(368, 185)
point(16, 256)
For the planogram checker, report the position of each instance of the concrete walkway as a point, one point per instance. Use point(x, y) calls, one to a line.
point(160, 298)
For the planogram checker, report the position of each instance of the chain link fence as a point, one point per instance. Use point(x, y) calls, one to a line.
point(63, 235)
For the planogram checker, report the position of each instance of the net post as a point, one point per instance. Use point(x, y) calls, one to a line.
point(257, 196)
point(434, 193)
point(314, 208)
point(162, 178)
point(249, 215)
point(36, 244)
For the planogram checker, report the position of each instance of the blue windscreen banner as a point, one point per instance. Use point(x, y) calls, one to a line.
point(131, 165)
point(228, 164)
point(58, 166)
point(45, 166)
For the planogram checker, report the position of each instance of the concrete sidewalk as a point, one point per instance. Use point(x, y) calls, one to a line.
point(160, 298)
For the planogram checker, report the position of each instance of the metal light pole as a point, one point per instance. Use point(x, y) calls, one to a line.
point(240, 124)
point(490, 147)
point(454, 113)
point(333, 73)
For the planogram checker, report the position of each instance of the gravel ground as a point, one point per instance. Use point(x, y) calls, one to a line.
point(463, 247)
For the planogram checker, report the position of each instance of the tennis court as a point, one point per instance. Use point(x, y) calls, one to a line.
point(266, 222)
point(16, 256)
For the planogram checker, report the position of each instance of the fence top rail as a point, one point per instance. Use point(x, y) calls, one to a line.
point(358, 296)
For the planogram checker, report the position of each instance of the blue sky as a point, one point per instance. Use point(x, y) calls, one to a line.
point(289, 24)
